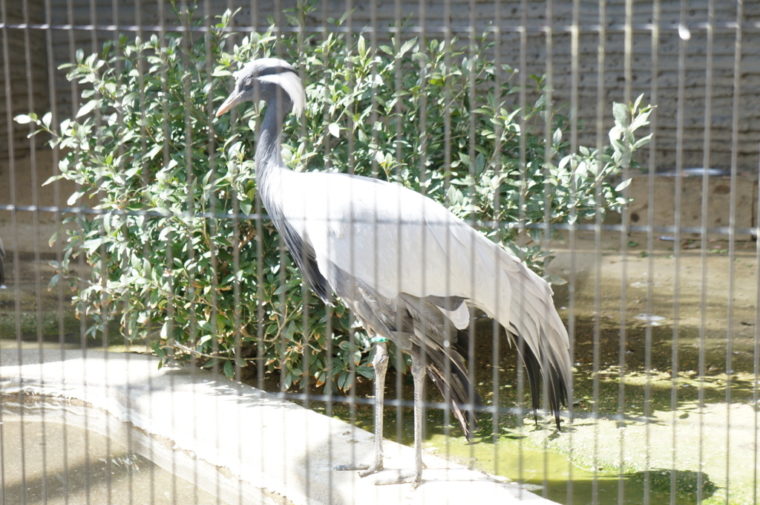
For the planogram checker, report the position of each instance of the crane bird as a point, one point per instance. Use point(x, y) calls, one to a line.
point(405, 265)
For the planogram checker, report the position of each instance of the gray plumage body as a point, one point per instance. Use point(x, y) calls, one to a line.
point(407, 267)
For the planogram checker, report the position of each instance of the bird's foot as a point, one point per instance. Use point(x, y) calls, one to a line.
point(377, 467)
point(364, 470)
point(351, 468)
point(415, 479)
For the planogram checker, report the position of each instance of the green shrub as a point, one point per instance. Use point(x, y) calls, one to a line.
point(175, 251)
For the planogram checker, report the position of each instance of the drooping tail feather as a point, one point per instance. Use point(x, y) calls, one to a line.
point(456, 386)
point(556, 384)
point(521, 301)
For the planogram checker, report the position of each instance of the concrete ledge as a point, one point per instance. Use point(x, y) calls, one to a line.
point(276, 451)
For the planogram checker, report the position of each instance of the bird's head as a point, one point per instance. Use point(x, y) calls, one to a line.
point(262, 79)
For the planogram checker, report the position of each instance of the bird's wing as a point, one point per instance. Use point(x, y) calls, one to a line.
point(398, 241)
point(289, 223)
point(305, 257)
point(507, 290)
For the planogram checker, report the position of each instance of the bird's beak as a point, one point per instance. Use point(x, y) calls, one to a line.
point(235, 98)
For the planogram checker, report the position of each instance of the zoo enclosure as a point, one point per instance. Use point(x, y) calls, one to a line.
point(696, 61)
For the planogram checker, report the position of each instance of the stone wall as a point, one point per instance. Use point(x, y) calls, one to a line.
point(546, 34)
point(23, 63)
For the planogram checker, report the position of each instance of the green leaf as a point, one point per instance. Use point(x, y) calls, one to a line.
point(454, 196)
point(229, 369)
point(52, 179)
point(92, 245)
point(557, 137)
point(164, 333)
point(334, 129)
point(26, 118)
point(153, 151)
point(405, 48)
point(74, 197)
point(87, 108)
point(620, 113)
point(642, 142)
point(624, 184)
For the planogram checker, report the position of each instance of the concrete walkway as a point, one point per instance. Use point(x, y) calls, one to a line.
point(271, 450)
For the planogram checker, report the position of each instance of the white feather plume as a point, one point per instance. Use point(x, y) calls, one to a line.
point(290, 84)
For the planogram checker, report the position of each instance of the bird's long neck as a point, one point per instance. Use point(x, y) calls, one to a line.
point(268, 156)
point(268, 147)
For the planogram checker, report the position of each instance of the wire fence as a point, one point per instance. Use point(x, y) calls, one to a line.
point(166, 301)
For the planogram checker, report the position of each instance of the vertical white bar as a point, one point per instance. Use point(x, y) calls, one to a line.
point(329, 349)
point(683, 41)
point(473, 54)
point(522, 218)
point(624, 232)
point(650, 234)
point(549, 160)
point(13, 243)
point(704, 223)
point(599, 128)
point(572, 243)
point(736, 109)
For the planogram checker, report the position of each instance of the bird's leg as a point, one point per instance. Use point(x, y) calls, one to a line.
point(418, 375)
point(380, 363)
